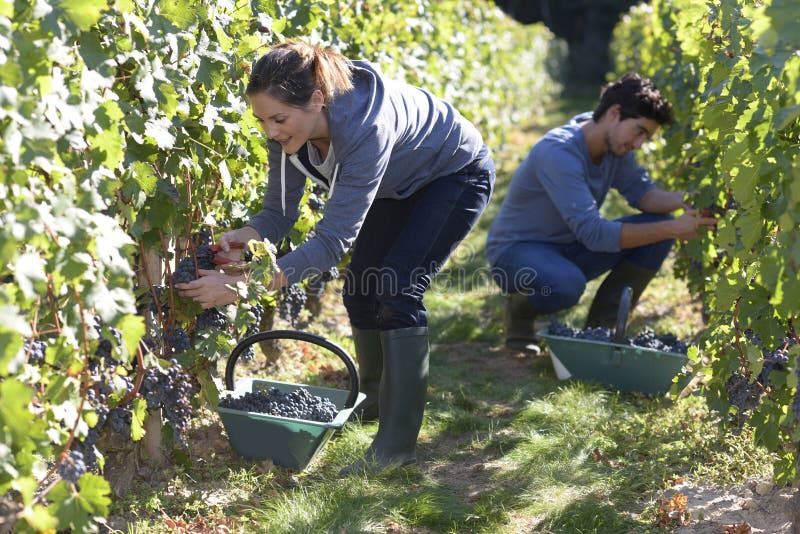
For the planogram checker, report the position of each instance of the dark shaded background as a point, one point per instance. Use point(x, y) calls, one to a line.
point(585, 25)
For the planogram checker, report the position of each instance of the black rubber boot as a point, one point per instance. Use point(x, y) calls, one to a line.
point(369, 355)
point(519, 319)
point(402, 401)
point(605, 305)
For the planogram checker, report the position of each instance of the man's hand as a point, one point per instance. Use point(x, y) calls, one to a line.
point(684, 227)
point(211, 289)
point(687, 225)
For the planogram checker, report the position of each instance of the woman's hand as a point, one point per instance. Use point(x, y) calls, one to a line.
point(213, 288)
point(226, 242)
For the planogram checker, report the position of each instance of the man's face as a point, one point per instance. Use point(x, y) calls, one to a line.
point(625, 135)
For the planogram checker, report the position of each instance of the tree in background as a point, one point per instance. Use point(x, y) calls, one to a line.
point(585, 25)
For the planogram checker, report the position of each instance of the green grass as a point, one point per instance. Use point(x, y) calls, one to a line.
point(505, 447)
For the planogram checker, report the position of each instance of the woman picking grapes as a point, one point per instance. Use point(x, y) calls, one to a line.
point(407, 177)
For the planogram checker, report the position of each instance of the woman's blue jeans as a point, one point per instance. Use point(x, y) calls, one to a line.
point(554, 275)
point(403, 244)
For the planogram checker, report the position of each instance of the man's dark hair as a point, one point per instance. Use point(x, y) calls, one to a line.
point(637, 97)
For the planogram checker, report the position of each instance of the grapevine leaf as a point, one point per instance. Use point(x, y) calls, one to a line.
point(784, 117)
point(67, 507)
point(9, 470)
point(139, 414)
point(110, 143)
point(792, 380)
point(749, 225)
point(133, 329)
point(82, 13)
point(208, 388)
point(766, 430)
point(755, 358)
point(159, 130)
point(225, 174)
point(145, 177)
point(110, 303)
point(770, 272)
point(787, 295)
point(167, 98)
point(727, 291)
point(17, 424)
point(91, 50)
point(90, 417)
point(10, 345)
point(744, 184)
point(94, 494)
point(58, 390)
point(39, 518)
point(125, 6)
point(210, 72)
point(30, 275)
point(181, 13)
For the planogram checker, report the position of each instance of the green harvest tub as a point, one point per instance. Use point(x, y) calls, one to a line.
point(616, 365)
point(288, 442)
point(622, 367)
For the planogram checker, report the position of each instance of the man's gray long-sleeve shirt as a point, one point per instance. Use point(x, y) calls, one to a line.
point(556, 193)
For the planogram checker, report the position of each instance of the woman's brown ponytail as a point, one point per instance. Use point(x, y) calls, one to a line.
point(293, 70)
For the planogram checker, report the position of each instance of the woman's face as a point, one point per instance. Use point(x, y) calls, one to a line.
point(289, 125)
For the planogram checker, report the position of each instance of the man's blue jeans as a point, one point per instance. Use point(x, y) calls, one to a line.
point(404, 243)
point(554, 276)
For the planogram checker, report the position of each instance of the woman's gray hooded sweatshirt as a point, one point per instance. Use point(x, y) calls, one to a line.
point(389, 140)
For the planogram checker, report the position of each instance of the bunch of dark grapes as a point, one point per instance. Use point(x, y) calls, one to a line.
point(665, 343)
point(120, 420)
point(742, 394)
point(557, 328)
point(597, 333)
point(257, 310)
point(178, 339)
point(775, 360)
point(186, 270)
point(187, 267)
point(297, 404)
point(36, 349)
point(212, 318)
point(646, 339)
point(154, 297)
point(315, 286)
point(107, 379)
point(72, 467)
point(315, 203)
point(291, 303)
point(171, 390)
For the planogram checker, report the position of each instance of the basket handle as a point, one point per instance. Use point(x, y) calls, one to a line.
point(622, 314)
point(300, 336)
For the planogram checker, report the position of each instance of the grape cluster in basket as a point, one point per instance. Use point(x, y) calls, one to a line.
point(297, 404)
point(647, 338)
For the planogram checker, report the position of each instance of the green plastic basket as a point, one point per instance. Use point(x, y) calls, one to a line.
point(622, 367)
point(616, 365)
point(291, 443)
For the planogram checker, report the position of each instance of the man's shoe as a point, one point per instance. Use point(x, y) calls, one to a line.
point(519, 320)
